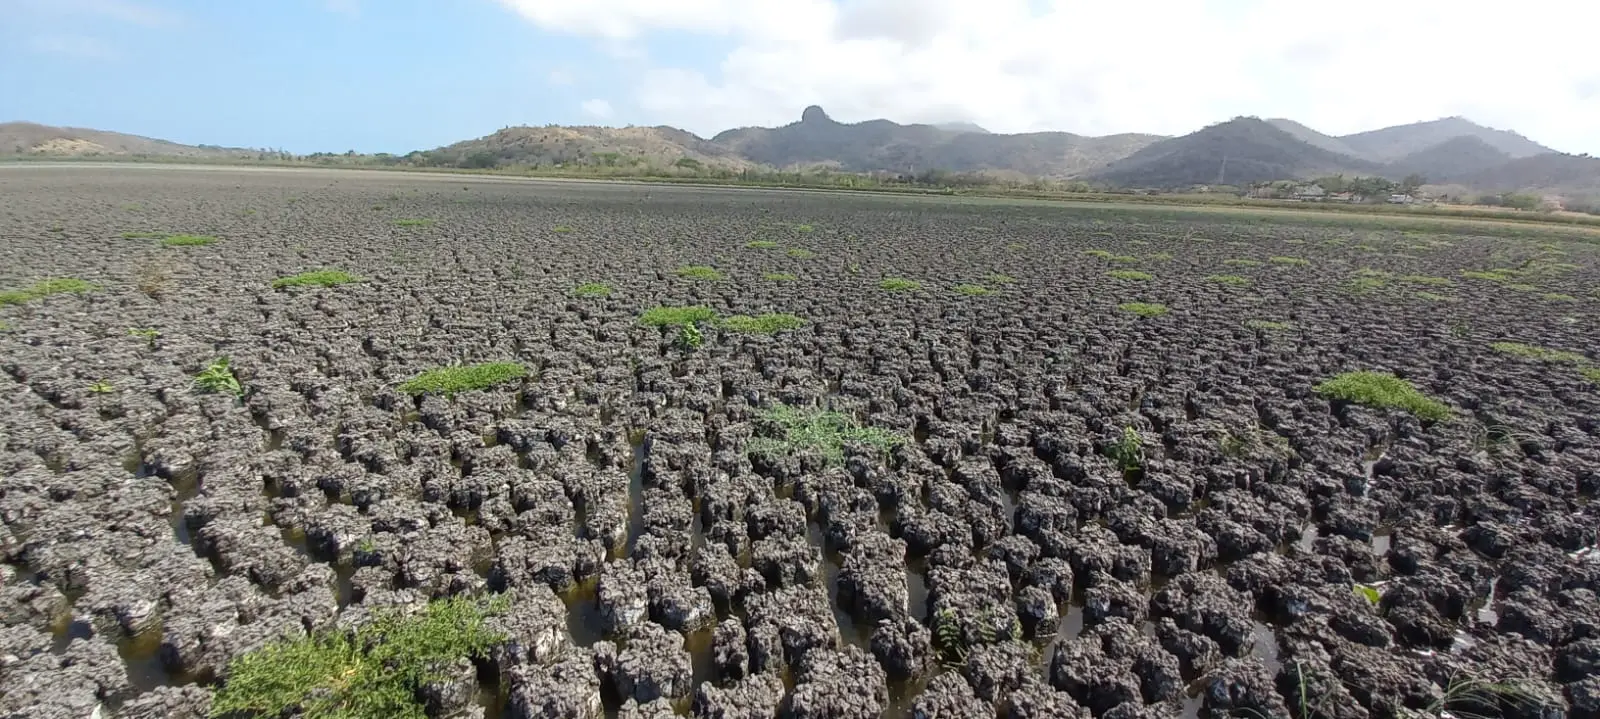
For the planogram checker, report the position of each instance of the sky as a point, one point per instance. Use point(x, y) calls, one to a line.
point(402, 75)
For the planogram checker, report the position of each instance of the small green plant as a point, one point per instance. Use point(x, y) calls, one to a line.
point(147, 334)
point(971, 290)
point(316, 278)
point(188, 240)
point(761, 245)
point(377, 670)
point(455, 379)
point(854, 269)
point(1383, 390)
point(102, 387)
point(1497, 275)
point(995, 278)
point(1102, 254)
point(1242, 263)
point(592, 289)
point(1144, 309)
point(1468, 697)
point(803, 228)
point(1128, 451)
point(218, 378)
point(689, 337)
point(1558, 297)
point(1268, 325)
point(947, 634)
point(766, 324)
point(414, 222)
point(1231, 280)
point(778, 277)
point(1368, 592)
point(563, 229)
point(1361, 285)
point(701, 272)
point(790, 430)
point(1591, 373)
point(899, 284)
point(675, 316)
point(1290, 261)
point(1540, 353)
point(1130, 275)
point(45, 288)
point(801, 253)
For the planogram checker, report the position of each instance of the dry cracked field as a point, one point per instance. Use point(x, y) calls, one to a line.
point(753, 454)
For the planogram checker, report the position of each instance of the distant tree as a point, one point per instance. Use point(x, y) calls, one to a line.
point(1520, 201)
point(479, 160)
point(1333, 183)
point(1412, 183)
point(688, 163)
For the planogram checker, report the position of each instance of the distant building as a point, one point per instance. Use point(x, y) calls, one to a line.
point(1313, 193)
point(1400, 199)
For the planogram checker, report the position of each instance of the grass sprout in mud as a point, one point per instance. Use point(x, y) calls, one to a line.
point(463, 378)
point(1383, 390)
point(791, 430)
point(377, 670)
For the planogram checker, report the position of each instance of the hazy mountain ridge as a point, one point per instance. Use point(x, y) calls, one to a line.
point(28, 138)
point(1237, 152)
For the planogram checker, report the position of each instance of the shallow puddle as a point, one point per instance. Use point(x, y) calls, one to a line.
point(635, 494)
point(583, 614)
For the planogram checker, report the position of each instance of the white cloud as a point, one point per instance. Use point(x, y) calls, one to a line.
point(1165, 66)
point(561, 77)
point(80, 47)
point(596, 108)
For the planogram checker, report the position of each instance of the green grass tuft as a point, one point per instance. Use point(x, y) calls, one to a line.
point(899, 284)
point(592, 289)
point(414, 222)
point(316, 278)
point(1268, 325)
point(1540, 353)
point(675, 316)
point(1384, 390)
point(801, 253)
point(995, 278)
point(218, 378)
point(778, 277)
point(1591, 373)
point(1499, 275)
point(1144, 309)
point(1290, 261)
point(462, 378)
point(701, 272)
point(1130, 275)
point(375, 671)
point(790, 430)
point(766, 324)
point(45, 288)
point(972, 290)
point(1559, 297)
point(761, 245)
point(1365, 284)
point(188, 240)
point(803, 228)
point(1234, 280)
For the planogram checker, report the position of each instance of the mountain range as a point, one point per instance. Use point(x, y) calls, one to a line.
point(1244, 150)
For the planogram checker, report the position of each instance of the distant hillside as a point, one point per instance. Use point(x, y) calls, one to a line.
point(1241, 151)
point(1551, 172)
point(555, 145)
point(961, 127)
point(27, 138)
point(1392, 143)
point(1312, 137)
point(1450, 160)
point(881, 145)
